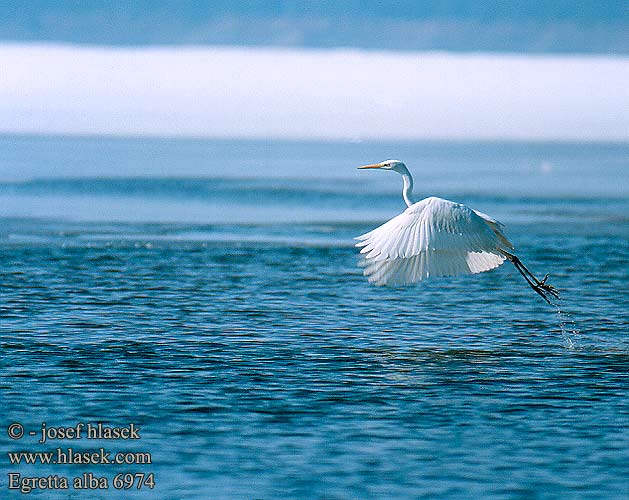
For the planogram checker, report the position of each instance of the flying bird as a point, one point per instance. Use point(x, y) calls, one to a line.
point(437, 237)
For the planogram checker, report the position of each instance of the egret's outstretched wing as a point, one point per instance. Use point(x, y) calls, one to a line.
point(433, 237)
point(496, 227)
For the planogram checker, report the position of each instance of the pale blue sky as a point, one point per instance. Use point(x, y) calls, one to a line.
point(328, 69)
point(560, 26)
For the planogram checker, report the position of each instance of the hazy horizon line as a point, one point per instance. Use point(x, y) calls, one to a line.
point(312, 94)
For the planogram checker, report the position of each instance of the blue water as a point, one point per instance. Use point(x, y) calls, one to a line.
point(208, 292)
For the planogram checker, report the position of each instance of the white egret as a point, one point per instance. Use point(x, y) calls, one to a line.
point(437, 237)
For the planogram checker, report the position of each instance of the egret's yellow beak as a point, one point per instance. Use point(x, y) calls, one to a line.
point(375, 165)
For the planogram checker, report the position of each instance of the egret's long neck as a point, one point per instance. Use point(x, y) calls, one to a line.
point(407, 191)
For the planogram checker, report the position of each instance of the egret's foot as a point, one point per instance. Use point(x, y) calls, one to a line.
point(551, 290)
point(543, 289)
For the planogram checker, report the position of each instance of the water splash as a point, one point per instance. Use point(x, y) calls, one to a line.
point(569, 331)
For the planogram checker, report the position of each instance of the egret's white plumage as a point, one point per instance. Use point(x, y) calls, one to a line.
point(435, 237)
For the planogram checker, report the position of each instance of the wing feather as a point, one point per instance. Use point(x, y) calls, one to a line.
point(433, 237)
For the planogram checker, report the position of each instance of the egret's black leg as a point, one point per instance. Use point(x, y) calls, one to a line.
point(539, 286)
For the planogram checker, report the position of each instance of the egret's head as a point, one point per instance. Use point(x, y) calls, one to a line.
point(395, 165)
